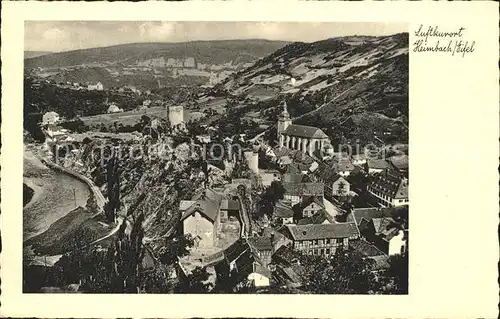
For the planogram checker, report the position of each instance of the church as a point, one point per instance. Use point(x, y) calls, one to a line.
point(306, 139)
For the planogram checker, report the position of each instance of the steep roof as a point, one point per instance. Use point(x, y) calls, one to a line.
point(319, 218)
point(366, 248)
point(358, 214)
point(294, 177)
point(390, 184)
point(304, 131)
point(301, 189)
point(207, 202)
point(399, 161)
point(322, 231)
point(282, 210)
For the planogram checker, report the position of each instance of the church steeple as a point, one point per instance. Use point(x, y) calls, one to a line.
point(284, 120)
point(284, 114)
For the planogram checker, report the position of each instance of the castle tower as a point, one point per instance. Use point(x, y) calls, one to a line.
point(252, 159)
point(284, 120)
point(175, 115)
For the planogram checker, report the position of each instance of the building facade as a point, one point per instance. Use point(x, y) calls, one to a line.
point(389, 189)
point(322, 239)
point(306, 139)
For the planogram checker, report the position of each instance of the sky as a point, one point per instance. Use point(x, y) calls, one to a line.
point(58, 36)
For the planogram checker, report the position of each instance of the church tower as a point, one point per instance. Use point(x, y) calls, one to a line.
point(284, 120)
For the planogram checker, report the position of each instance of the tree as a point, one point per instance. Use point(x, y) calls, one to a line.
point(175, 248)
point(195, 282)
point(398, 271)
point(346, 272)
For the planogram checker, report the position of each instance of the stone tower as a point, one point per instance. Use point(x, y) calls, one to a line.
point(175, 115)
point(284, 120)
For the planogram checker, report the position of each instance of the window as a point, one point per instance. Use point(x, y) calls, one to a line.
point(339, 240)
point(328, 251)
point(327, 241)
point(321, 251)
point(315, 242)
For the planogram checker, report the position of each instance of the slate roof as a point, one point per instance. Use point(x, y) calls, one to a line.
point(282, 210)
point(207, 202)
point(390, 184)
point(399, 161)
point(294, 178)
point(377, 164)
point(304, 131)
point(366, 248)
point(343, 165)
point(358, 214)
point(319, 218)
point(322, 231)
point(300, 189)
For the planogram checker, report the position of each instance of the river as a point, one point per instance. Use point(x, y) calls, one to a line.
point(55, 194)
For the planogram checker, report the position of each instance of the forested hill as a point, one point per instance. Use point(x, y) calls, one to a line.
point(351, 87)
point(208, 52)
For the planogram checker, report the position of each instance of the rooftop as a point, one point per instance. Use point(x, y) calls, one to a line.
point(304, 131)
point(301, 189)
point(322, 231)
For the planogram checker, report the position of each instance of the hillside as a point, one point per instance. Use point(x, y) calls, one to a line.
point(209, 52)
point(34, 54)
point(351, 87)
point(152, 65)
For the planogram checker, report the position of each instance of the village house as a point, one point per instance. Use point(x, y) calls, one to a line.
point(295, 192)
point(321, 239)
point(242, 263)
point(379, 227)
point(311, 205)
point(113, 108)
point(306, 139)
point(98, 87)
point(374, 166)
point(399, 163)
point(358, 159)
point(284, 212)
point(343, 167)
point(286, 265)
point(201, 218)
point(389, 189)
point(267, 176)
point(335, 184)
point(320, 217)
point(50, 118)
point(370, 251)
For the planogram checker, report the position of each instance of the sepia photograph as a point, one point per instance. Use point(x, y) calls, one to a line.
point(215, 157)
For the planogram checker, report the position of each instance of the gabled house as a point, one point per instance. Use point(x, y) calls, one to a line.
point(399, 163)
point(374, 166)
point(321, 239)
point(320, 217)
point(380, 227)
point(389, 189)
point(295, 192)
point(284, 212)
point(241, 262)
point(311, 205)
point(201, 217)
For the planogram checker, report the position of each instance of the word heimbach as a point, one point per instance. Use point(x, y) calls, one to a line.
point(451, 46)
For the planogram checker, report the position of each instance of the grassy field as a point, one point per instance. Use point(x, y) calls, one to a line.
point(128, 118)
